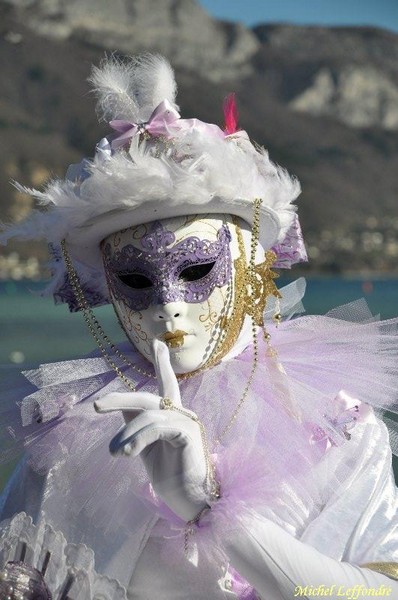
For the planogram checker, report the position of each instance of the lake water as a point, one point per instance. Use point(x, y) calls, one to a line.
point(33, 330)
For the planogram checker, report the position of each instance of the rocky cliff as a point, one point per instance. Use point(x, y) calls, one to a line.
point(350, 74)
point(181, 29)
point(323, 101)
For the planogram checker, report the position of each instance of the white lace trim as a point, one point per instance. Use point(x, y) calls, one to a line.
point(47, 550)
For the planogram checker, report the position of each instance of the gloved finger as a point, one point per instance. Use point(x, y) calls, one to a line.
point(150, 427)
point(127, 402)
point(168, 384)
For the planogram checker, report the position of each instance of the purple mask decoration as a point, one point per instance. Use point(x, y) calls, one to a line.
point(161, 273)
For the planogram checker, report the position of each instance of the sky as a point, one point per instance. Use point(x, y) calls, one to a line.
point(378, 13)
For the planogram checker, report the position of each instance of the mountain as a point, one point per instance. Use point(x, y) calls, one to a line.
point(180, 29)
point(350, 74)
point(322, 100)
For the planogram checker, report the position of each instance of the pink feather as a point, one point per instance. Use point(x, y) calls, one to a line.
point(231, 114)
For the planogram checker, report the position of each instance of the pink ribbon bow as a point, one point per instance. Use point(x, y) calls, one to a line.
point(159, 123)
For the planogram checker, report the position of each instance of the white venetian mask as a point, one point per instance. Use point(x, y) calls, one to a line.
point(175, 280)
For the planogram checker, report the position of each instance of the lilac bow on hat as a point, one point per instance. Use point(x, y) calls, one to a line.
point(159, 123)
point(165, 121)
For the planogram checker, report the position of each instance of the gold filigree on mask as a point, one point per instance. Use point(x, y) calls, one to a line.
point(209, 318)
point(264, 287)
point(230, 326)
point(253, 286)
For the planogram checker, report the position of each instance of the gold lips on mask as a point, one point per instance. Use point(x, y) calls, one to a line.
point(174, 339)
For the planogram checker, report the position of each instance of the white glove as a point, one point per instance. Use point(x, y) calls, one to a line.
point(280, 567)
point(169, 440)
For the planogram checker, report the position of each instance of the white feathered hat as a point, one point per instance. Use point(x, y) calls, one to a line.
point(153, 166)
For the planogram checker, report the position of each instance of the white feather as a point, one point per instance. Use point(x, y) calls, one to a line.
point(41, 197)
point(132, 90)
point(153, 82)
point(112, 84)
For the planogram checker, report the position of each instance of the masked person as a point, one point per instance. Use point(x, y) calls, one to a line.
point(246, 459)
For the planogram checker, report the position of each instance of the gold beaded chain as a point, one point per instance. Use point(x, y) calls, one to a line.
point(247, 302)
point(103, 341)
point(251, 309)
point(94, 327)
point(211, 486)
point(251, 279)
point(251, 303)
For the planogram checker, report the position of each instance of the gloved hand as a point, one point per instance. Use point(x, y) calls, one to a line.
point(281, 567)
point(169, 438)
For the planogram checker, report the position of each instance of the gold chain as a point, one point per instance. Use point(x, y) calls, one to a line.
point(103, 341)
point(211, 486)
point(246, 303)
point(251, 272)
point(96, 330)
point(251, 279)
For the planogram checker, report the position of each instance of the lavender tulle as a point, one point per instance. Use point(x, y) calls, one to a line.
point(295, 412)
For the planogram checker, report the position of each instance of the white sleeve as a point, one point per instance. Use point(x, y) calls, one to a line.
point(281, 567)
point(358, 525)
point(359, 522)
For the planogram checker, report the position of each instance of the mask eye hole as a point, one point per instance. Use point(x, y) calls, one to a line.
point(196, 272)
point(136, 281)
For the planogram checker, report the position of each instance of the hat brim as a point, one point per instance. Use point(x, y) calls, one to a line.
point(84, 241)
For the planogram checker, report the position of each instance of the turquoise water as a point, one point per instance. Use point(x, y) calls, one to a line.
point(33, 330)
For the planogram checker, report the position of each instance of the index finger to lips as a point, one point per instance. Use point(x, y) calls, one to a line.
point(127, 402)
point(168, 384)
